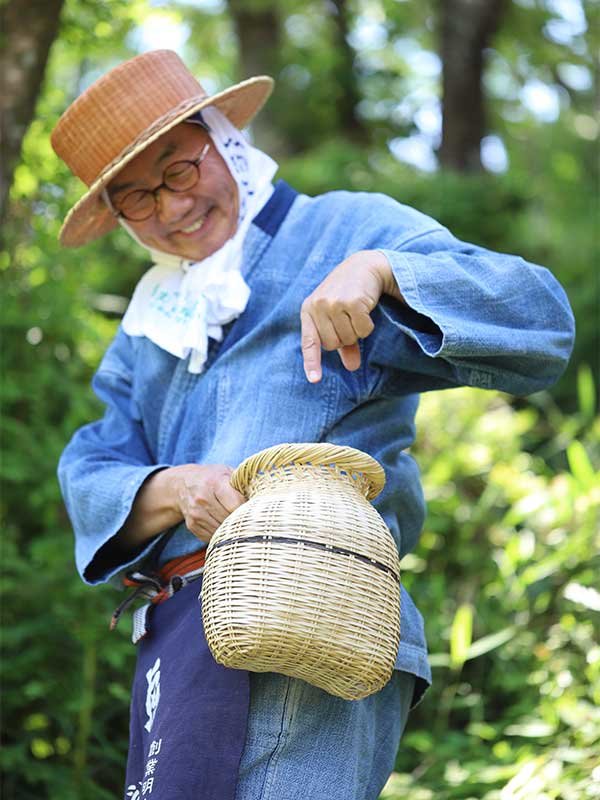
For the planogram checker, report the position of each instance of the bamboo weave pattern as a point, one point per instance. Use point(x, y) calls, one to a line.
point(304, 578)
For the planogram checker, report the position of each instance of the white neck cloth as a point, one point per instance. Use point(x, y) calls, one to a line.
point(177, 303)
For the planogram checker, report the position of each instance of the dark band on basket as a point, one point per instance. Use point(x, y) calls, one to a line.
point(316, 545)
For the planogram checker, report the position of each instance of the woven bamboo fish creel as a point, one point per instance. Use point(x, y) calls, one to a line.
point(303, 579)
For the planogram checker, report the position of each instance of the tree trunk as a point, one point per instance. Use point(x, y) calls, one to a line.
point(258, 28)
point(345, 77)
point(28, 29)
point(467, 27)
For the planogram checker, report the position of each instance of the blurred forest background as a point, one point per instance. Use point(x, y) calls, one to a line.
point(481, 113)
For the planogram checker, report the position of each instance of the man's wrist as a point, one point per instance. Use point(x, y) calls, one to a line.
point(155, 508)
point(386, 273)
point(166, 486)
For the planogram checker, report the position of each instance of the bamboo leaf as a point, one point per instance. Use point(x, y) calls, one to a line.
point(490, 642)
point(580, 465)
point(439, 660)
point(461, 635)
point(584, 595)
point(586, 391)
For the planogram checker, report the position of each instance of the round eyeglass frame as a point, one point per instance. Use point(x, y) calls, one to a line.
point(118, 212)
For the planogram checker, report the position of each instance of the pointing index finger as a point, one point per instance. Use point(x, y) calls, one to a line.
point(311, 347)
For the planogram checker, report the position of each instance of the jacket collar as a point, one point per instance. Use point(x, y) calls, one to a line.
point(272, 214)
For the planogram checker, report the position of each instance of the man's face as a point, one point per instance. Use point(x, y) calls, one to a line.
point(194, 223)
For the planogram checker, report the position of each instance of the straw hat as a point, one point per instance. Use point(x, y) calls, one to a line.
point(122, 113)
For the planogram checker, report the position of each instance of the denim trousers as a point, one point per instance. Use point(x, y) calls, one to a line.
point(305, 744)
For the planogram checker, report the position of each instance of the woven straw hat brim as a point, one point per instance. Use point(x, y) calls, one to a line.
point(90, 217)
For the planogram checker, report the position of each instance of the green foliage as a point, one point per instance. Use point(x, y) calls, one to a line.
point(505, 570)
point(511, 546)
point(65, 713)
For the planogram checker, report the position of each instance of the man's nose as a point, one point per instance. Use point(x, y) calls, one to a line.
point(172, 206)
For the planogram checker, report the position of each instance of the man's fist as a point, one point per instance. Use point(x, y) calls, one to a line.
point(337, 314)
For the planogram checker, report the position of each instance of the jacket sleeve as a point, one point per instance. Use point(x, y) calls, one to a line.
point(471, 317)
point(103, 467)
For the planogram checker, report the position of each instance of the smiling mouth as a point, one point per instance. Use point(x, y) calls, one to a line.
point(195, 226)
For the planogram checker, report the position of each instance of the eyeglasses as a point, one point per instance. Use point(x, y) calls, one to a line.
point(178, 177)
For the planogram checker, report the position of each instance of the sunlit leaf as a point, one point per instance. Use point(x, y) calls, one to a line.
point(41, 748)
point(584, 595)
point(460, 635)
point(439, 659)
point(581, 466)
point(488, 643)
point(532, 728)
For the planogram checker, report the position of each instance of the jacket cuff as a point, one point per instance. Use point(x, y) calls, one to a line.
point(101, 559)
point(416, 320)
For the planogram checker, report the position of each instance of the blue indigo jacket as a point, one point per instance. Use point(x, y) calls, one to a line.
point(472, 317)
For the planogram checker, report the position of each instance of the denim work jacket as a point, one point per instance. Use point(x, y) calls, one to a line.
point(472, 318)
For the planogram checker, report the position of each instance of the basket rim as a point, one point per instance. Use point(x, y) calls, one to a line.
point(346, 458)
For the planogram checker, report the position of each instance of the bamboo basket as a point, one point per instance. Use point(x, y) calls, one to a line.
point(304, 578)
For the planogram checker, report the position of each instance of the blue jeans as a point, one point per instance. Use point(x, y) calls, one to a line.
point(305, 744)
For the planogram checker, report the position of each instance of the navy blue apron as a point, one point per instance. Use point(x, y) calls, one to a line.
point(188, 713)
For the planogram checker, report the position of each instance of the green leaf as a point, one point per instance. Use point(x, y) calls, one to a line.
point(581, 466)
point(535, 728)
point(478, 648)
point(490, 642)
point(41, 748)
point(460, 635)
point(584, 595)
point(439, 660)
point(586, 391)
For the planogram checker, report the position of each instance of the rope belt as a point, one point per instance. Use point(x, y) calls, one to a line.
point(156, 587)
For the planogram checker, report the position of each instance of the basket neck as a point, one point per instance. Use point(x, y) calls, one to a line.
point(327, 477)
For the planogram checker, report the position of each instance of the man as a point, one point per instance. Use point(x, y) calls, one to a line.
point(267, 317)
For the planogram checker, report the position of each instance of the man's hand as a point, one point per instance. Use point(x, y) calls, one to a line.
point(337, 314)
point(204, 496)
point(199, 495)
